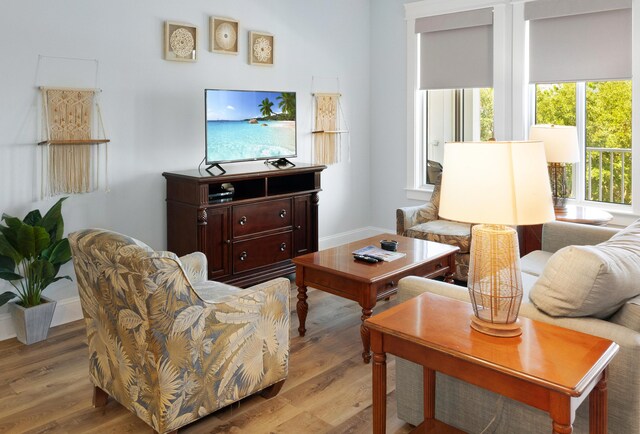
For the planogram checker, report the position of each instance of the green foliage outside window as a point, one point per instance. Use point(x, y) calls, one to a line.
point(486, 114)
point(607, 125)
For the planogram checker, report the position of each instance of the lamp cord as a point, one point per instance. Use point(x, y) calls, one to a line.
point(499, 405)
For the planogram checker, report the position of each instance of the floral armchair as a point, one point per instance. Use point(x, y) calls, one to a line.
point(166, 343)
point(423, 222)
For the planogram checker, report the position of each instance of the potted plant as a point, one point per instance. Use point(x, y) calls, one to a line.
point(31, 253)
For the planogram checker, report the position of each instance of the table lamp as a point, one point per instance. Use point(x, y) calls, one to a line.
point(495, 184)
point(561, 148)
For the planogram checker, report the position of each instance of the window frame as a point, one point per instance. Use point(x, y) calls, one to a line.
point(512, 108)
point(416, 187)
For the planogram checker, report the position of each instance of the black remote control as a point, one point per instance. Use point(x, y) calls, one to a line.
point(364, 258)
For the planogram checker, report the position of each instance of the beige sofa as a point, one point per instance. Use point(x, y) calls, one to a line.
point(473, 409)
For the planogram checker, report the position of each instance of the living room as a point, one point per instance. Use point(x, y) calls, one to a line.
point(153, 111)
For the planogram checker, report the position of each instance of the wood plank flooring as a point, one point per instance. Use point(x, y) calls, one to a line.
point(45, 387)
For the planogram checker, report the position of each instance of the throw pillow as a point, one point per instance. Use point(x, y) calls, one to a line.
point(591, 280)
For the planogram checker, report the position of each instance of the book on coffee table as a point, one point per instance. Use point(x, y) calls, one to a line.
point(378, 253)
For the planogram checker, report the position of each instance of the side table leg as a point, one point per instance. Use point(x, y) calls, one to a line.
point(364, 334)
point(561, 413)
point(598, 406)
point(429, 387)
point(302, 308)
point(379, 388)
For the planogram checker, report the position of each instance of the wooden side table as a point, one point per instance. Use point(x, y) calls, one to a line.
point(584, 215)
point(336, 271)
point(561, 366)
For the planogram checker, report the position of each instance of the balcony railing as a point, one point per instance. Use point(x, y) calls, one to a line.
point(608, 175)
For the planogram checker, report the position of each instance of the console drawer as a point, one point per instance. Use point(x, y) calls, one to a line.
point(261, 251)
point(261, 217)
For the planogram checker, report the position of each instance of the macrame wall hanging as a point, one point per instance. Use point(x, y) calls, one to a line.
point(327, 132)
point(71, 153)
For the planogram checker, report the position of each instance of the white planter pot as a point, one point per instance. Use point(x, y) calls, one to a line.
point(32, 323)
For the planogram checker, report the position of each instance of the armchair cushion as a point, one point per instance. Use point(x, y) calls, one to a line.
point(444, 231)
point(591, 280)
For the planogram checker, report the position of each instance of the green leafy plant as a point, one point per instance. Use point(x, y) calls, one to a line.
point(31, 253)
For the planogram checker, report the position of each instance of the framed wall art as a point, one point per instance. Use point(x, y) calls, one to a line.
point(180, 42)
point(223, 35)
point(261, 48)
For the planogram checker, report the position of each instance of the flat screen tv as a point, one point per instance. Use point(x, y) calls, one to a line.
point(243, 125)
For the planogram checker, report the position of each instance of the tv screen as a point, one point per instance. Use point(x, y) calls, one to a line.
point(249, 125)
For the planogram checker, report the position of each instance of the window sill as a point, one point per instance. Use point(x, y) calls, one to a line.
point(420, 193)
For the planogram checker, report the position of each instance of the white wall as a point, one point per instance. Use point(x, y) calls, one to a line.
point(388, 112)
point(153, 109)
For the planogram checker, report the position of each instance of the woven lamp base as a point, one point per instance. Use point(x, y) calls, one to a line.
point(500, 330)
point(495, 282)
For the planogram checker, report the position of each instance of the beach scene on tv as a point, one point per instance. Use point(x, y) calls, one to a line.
point(248, 125)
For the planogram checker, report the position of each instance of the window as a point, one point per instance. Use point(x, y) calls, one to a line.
point(454, 115)
point(601, 110)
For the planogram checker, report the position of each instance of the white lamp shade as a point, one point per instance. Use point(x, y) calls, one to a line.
point(560, 142)
point(496, 183)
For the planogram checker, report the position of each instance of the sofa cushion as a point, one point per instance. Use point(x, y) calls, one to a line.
point(533, 263)
point(443, 231)
point(591, 280)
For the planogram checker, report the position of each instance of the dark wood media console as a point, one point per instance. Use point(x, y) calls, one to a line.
point(249, 237)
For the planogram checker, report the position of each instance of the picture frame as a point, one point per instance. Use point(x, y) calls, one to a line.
point(180, 42)
point(223, 35)
point(261, 48)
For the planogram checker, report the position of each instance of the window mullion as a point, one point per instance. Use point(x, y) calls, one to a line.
point(579, 179)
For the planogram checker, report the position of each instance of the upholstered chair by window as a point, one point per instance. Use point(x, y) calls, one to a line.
point(423, 222)
point(166, 343)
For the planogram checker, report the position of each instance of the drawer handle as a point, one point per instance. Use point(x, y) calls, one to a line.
point(298, 227)
point(283, 212)
point(391, 284)
point(243, 220)
point(283, 247)
point(438, 265)
point(243, 256)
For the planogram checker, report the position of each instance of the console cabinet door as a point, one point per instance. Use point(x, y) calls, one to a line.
point(302, 226)
point(218, 242)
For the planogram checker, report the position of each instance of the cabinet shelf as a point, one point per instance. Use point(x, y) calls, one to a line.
point(74, 142)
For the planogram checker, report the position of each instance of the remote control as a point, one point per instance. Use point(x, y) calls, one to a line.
point(364, 258)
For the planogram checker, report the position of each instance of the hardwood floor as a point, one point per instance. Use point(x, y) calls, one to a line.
point(45, 387)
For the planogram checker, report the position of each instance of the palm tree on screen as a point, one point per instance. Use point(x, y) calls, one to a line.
point(287, 103)
point(265, 107)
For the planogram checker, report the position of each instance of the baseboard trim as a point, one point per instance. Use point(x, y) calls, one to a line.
point(349, 236)
point(67, 310)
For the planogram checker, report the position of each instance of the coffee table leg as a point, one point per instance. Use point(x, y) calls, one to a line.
point(302, 308)
point(364, 334)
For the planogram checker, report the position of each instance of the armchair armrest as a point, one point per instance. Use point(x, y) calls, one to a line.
point(409, 216)
point(195, 266)
point(556, 235)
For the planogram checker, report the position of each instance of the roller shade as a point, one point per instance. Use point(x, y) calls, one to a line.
point(456, 50)
point(586, 40)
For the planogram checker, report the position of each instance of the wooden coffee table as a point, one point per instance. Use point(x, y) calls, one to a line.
point(548, 367)
point(337, 272)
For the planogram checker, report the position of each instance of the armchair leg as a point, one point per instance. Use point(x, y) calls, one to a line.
point(272, 390)
point(100, 397)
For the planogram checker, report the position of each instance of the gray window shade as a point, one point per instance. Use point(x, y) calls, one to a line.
point(569, 44)
point(456, 50)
